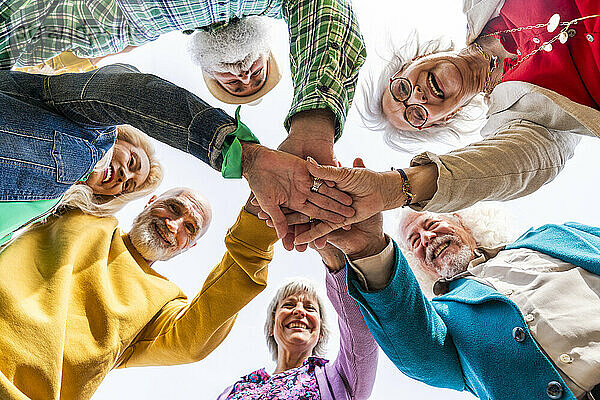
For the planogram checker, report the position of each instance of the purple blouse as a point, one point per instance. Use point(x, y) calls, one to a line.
point(294, 384)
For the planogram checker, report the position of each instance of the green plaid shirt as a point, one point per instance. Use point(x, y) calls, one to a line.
point(326, 47)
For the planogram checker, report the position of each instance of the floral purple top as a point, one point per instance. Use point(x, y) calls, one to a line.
point(294, 384)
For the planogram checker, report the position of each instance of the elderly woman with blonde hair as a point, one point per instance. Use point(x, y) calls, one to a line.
point(128, 170)
point(297, 331)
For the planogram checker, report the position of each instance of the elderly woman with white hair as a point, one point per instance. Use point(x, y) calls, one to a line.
point(538, 71)
point(297, 330)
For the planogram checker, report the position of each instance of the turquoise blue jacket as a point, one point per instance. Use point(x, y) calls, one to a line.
point(463, 340)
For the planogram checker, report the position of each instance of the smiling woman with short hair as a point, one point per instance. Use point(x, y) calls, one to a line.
point(297, 331)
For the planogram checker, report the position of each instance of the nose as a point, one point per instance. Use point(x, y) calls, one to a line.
point(417, 96)
point(299, 311)
point(244, 77)
point(124, 174)
point(173, 224)
point(426, 237)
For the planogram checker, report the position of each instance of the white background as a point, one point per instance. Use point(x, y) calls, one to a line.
point(571, 197)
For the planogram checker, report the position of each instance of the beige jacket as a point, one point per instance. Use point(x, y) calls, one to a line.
point(530, 133)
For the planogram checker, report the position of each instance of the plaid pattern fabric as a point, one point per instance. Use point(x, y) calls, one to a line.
point(326, 48)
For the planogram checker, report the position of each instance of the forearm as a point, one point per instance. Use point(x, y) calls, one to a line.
point(327, 51)
point(118, 94)
point(357, 357)
point(408, 328)
point(182, 334)
point(515, 162)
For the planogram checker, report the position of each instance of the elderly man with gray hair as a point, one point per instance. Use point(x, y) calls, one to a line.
point(513, 320)
point(236, 59)
point(79, 295)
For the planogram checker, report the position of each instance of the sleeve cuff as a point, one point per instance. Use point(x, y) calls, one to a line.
point(442, 198)
point(253, 231)
point(374, 272)
point(232, 148)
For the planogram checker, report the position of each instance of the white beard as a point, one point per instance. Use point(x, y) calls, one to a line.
point(454, 263)
point(146, 240)
point(233, 48)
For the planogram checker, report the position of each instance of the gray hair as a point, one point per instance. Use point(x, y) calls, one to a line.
point(82, 197)
point(296, 286)
point(490, 225)
point(466, 120)
point(232, 48)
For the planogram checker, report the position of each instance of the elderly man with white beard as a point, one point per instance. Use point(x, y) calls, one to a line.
point(236, 59)
point(79, 296)
point(511, 320)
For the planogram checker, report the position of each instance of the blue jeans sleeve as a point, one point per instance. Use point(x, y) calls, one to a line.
point(120, 94)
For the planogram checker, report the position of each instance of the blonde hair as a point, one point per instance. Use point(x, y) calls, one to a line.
point(82, 197)
point(297, 286)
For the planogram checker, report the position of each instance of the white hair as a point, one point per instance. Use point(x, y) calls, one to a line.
point(296, 286)
point(232, 48)
point(81, 196)
point(489, 224)
point(467, 119)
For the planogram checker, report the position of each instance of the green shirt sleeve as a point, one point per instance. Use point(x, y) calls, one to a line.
point(17, 214)
point(326, 53)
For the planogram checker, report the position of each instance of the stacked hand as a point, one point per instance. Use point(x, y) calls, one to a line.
point(278, 179)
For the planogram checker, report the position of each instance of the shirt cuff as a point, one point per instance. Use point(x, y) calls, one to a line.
point(374, 272)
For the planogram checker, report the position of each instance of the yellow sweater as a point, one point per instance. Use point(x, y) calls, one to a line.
point(77, 300)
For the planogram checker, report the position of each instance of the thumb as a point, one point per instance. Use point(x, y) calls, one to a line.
point(358, 163)
point(324, 172)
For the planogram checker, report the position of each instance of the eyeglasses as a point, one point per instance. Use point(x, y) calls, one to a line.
point(415, 114)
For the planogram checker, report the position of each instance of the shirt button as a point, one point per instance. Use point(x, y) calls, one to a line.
point(571, 32)
point(508, 292)
point(518, 52)
point(554, 390)
point(529, 317)
point(334, 45)
point(536, 40)
point(565, 358)
point(589, 37)
point(323, 88)
point(518, 334)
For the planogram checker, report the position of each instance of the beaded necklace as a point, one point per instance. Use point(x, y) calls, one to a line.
point(554, 22)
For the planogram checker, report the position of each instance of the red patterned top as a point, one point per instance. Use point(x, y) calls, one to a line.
point(571, 69)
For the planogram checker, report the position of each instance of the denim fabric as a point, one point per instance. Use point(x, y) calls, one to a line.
point(42, 154)
point(61, 124)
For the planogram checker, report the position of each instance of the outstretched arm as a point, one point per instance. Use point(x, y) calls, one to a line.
point(187, 331)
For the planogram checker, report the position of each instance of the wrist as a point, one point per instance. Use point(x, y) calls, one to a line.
point(373, 247)
point(318, 123)
point(250, 152)
point(393, 196)
point(334, 260)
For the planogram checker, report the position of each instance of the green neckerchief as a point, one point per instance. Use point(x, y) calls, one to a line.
point(232, 148)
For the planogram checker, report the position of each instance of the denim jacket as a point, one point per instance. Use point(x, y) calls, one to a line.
point(53, 129)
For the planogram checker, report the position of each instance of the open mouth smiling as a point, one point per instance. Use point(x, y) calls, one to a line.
point(161, 235)
point(297, 325)
point(434, 86)
point(440, 249)
point(108, 174)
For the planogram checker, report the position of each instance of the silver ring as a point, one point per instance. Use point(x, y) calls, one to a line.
point(317, 182)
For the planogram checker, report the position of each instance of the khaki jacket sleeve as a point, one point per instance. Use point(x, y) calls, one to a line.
point(516, 161)
point(186, 331)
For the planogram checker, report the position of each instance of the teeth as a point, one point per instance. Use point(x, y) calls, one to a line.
point(108, 174)
point(297, 325)
point(440, 249)
point(433, 87)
